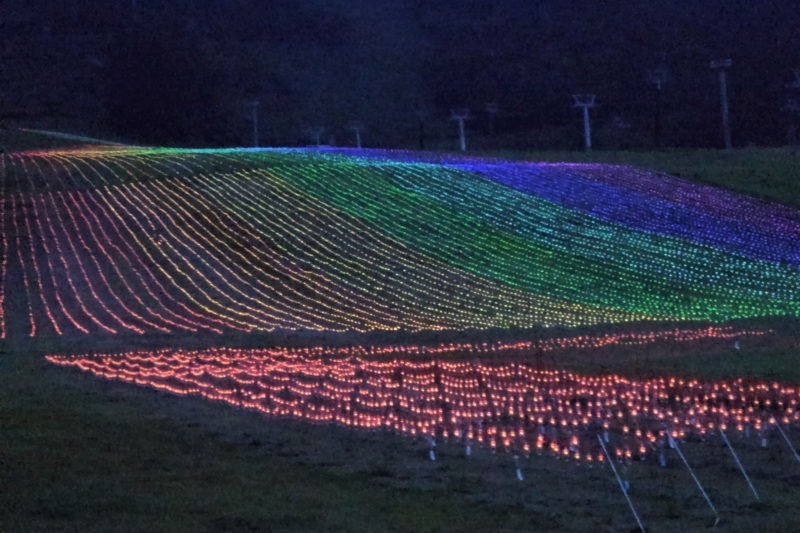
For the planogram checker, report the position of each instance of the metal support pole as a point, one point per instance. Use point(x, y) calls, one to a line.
point(739, 464)
point(621, 485)
point(788, 442)
point(697, 481)
point(461, 115)
point(357, 126)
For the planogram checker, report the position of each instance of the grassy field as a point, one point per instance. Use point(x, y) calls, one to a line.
point(82, 454)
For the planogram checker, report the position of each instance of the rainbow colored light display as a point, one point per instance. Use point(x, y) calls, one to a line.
point(506, 406)
point(142, 240)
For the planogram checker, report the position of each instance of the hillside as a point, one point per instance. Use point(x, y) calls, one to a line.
point(139, 240)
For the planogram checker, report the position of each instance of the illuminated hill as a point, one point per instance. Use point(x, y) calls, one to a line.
point(119, 240)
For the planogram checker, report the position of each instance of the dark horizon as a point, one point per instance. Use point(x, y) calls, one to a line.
point(183, 72)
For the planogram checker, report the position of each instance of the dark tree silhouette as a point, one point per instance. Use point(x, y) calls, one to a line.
point(165, 88)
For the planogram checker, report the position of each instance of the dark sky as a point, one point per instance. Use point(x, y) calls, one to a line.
point(182, 71)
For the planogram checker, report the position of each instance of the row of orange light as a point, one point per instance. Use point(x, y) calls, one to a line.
point(508, 406)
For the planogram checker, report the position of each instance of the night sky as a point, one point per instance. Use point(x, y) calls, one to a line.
point(182, 72)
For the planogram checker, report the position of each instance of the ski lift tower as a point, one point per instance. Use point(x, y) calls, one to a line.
point(460, 115)
point(315, 134)
point(357, 126)
point(585, 101)
point(722, 66)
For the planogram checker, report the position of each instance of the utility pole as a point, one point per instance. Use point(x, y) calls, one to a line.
point(357, 126)
point(722, 66)
point(585, 101)
point(254, 115)
point(460, 115)
point(657, 77)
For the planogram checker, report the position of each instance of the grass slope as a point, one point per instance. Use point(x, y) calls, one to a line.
point(80, 454)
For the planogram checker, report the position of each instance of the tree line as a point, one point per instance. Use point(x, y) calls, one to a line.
point(184, 72)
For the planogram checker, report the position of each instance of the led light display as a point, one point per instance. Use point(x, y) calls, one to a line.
point(515, 407)
point(146, 240)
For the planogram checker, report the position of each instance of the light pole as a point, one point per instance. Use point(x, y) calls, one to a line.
point(460, 115)
point(722, 66)
point(585, 101)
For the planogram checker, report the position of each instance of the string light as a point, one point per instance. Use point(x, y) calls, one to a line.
point(513, 407)
point(160, 240)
